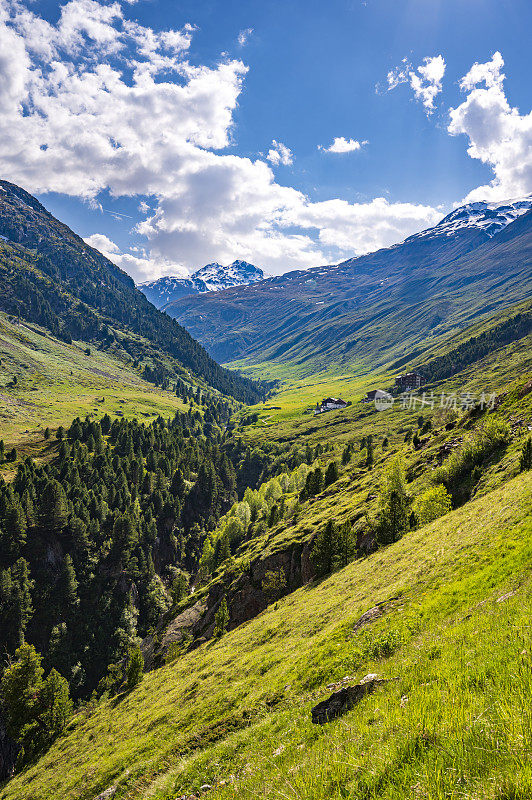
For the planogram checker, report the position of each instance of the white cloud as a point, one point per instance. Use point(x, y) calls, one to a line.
point(100, 103)
point(102, 243)
point(142, 267)
point(498, 134)
point(244, 35)
point(279, 153)
point(343, 145)
point(425, 81)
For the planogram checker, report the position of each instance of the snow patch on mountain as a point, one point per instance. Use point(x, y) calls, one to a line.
point(239, 273)
point(210, 278)
point(491, 218)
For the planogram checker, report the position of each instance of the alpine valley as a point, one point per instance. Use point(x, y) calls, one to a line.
point(267, 579)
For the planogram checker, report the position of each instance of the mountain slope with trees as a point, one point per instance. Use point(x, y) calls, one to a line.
point(50, 276)
point(371, 309)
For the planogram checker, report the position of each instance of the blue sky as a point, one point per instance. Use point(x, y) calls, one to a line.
point(170, 134)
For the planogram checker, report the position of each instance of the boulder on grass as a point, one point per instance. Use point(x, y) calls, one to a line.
point(340, 702)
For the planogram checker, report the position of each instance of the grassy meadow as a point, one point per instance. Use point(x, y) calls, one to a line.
point(454, 720)
point(57, 382)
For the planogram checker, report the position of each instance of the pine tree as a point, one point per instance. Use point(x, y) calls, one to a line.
point(15, 524)
point(53, 507)
point(35, 711)
point(134, 668)
point(67, 587)
point(56, 703)
point(179, 587)
point(347, 453)
point(394, 505)
point(324, 548)
point(525, 459)
point(369, 452)
point(331, 475)
point(221, 620)
point(21, 684)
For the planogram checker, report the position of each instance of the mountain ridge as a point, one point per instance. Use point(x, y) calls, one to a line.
point(372, 307)
point(49, 275)
point(211, 278)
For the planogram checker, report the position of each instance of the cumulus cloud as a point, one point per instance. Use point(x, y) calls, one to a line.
point(100, 103)
point(141, 267)
point(279, 153)
point(498, 134)
point(244, 35)
point(343, 145)
point(425, 81)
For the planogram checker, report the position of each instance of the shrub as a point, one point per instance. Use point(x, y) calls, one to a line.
point(463, 468)
point(274, 584)
point(525, 459)
point(221, 620)
point(430, 505)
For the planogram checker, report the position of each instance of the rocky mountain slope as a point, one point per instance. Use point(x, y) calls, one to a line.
point(50, 276)
point(376, 307)
point(210, 278)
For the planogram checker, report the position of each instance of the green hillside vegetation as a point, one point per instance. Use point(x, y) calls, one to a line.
point(49, 276)
point(367, 311)
point(468, 367)
point(56, 382)
point(182, 577)
point(452, 721)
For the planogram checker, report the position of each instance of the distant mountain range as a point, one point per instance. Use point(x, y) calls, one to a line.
point(375, 308)
point(210, 278)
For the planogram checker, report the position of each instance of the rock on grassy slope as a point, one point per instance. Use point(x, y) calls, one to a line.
point(235, 714)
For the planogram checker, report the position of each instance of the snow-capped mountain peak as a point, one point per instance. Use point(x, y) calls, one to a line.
point(491, 218)
point(239, 273)
point(210, 278)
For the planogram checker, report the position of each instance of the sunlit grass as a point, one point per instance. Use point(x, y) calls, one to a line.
point(238, 711)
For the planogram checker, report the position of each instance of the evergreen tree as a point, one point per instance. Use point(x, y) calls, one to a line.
point(331, 475)
point(179, 587)
point(221, 619)
point(67, 586)
point(134, 668)
point(394, 502)
point(525, 459)
point(324, 548)
point(53, 508)
point(369, 452)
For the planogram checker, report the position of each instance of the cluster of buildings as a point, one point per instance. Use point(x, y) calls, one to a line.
point(408, 382)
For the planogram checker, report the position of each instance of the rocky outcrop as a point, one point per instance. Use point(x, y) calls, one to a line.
point(245, 600)
point(340, 702)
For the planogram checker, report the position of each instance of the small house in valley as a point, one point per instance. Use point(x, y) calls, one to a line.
point(330, 404)
point(408, 381)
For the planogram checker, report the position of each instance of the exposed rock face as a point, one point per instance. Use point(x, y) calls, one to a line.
point(107, 794)
point(245, 600)
point(340, 702)
point(177, 631)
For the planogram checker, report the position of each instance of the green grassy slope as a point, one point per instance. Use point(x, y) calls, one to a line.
point(57, 382)
point(369, 310)
point(236, 714)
